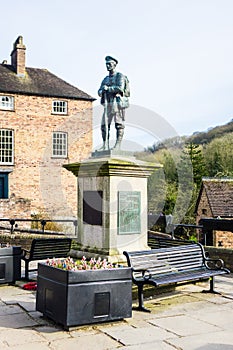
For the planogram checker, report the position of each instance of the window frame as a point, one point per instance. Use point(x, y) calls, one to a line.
point(4, 148)
point(60, 107)
point(56, 145)
point(5, 177)
point(7, 105)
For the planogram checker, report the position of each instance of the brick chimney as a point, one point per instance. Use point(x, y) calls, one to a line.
point(18, 56)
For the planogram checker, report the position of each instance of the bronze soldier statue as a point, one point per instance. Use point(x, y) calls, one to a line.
point(114, 93)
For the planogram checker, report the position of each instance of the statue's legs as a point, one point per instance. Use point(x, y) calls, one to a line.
point(119, 125)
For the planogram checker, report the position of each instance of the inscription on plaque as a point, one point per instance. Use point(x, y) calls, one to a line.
point(129, 209)
point(92, 207)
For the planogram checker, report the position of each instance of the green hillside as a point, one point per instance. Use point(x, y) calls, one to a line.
point(207, 136)
point(199, 138)
point(172, 190)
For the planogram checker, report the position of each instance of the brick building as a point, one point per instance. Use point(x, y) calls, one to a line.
point(215, 201)
point(44, 123)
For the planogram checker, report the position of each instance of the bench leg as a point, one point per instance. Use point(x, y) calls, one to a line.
point(212, 284)
point(140, 306)
point(211, 290)
point(26, 270)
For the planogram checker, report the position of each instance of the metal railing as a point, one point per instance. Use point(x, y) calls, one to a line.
point(43, 222)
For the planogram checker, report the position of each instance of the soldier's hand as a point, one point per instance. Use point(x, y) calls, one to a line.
point(105, 88)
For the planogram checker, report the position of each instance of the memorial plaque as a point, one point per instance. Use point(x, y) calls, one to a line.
point(92, 207)
point(129, 212)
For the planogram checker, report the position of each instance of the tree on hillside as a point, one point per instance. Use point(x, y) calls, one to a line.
point(162, 185)
point(194, 152)
point(169, 166)
point(219, 156)
point(172, 142)
point(156, 192)
point(192, 160)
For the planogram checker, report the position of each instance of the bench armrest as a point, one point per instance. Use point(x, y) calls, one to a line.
point(24, 252)
point(145, 273)
point(214, 264)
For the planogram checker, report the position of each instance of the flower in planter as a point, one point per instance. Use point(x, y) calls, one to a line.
point(70, 265)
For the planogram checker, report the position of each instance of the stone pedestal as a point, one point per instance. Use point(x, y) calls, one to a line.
point(112, 202)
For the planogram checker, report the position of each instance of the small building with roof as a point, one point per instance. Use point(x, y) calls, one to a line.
point(45, 123)
point(214, 209)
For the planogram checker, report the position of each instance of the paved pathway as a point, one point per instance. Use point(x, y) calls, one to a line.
point(185, 319)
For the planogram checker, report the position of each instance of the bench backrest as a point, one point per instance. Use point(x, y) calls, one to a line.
point(43, 248)
point(161, 242)
point(167, 260)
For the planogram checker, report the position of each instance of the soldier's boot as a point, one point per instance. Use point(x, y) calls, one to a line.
point(119, 137)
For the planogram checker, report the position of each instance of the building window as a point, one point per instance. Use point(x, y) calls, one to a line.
point(6, 146)
point(60, 107)
point(7, 102)
point(204, 211)
point(60, 144)
point(4, 185)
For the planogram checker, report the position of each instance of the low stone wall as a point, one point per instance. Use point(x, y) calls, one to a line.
point(22, 239)
point(222, 253)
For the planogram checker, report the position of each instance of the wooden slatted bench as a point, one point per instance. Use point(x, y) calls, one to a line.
point(43, 248)
point(172, 265)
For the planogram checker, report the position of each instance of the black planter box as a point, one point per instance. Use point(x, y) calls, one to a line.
point(10, 264)
point(73, 298)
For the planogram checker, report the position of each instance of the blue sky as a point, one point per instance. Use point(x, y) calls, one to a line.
point(177, 54)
